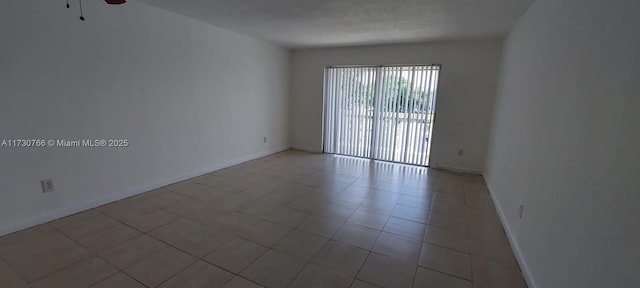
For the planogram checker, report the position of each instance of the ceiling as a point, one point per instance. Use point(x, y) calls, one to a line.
point(322, 23)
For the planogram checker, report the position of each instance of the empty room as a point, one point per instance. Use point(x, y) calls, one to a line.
point(328, 143)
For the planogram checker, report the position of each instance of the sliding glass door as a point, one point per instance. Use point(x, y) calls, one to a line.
point(381, 112)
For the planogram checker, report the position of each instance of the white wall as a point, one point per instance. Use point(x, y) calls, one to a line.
point(189, 97)
point(565, 143)
point(464, 102)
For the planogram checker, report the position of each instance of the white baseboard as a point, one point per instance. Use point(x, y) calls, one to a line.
point(300, 148)
point(451, 169)
point(524, 268)
point(458, 170)
point(66, 211)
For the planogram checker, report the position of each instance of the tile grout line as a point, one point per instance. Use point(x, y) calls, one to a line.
point(91, 255)
point(361, 266)
point(118, 268)
point(122, 270)
point(466, 217)
point(15, 271)
point(176, 274)
point(311, 181)
point(298, 274)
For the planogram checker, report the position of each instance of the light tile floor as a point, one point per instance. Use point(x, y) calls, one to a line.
point(292, 219)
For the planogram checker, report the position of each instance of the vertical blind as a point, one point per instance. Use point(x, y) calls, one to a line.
point(382, 112)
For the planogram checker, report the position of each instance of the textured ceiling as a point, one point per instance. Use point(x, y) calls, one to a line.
point(321, 23)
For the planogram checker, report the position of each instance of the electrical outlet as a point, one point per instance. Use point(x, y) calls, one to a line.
point(265, 139)
point(521, 211)
point(47, 185)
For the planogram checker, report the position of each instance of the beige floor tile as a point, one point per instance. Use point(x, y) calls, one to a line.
point(448, 198)
point(447, 238)
point(361, 284)
point(446, 261)
point(497, 251)
point(448, 207)
point(29, 233)
point(342, 258)
point(317, 276)
point(239, 282)
point(210, 179)
point(405, 228)
point(82, 274)
point(368, 219)
point(446, 183)
point(126, 206)
point(330, 185)
point(291, 202)
point(417, 202)
point(281, 197)
point(398, 247)
point(231, 202)
point(149, 221)
point(300, 244)
point(477, 195)
point(421, 192)
point(74, 220)
point(254, 192)
point(478, 199)
point(274, 269)
point(236, 254)
point(235, 184)
point(385, 196)
point(453, 220)
point(336, 209)
point(195, 190)
point(31, 242)
point(286, 216)
point(231, 222)
point(349, 199)
point(80, 229)
point(9, 277)
point(109, 237)
point(378, 206)
point(200, 274)
point(142, 216)
point(191, 237)
point(319, 194)
point(389, 272)
point(359, 190)
point(160, 198)
point(411, 213)
point(430, 278)
point(308, 204)
point(119, 280)
point(50, 260)
point(362, 237)
point(322, 225)
point(485, 230)
point(490, 241)
point(132, 251)
point(159, 267)
point(488, 273)
point(485, 216)
point(186, 205)
point(388, 184)
point(264, 232)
